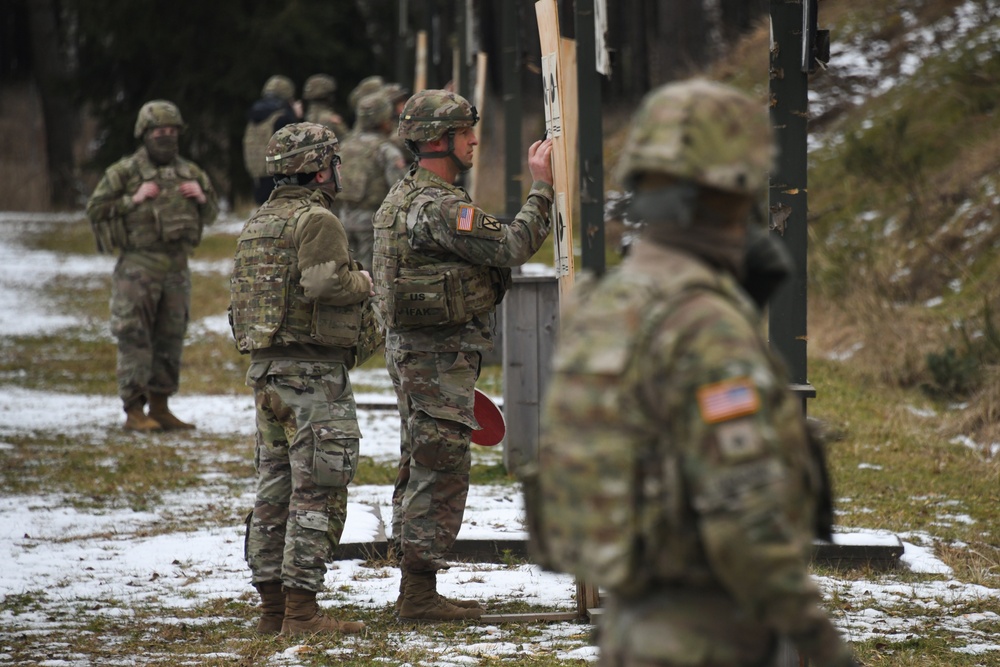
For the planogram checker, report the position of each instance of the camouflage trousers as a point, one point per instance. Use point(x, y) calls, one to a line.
point(306, 456)
point(435, 396)
point(150, 304)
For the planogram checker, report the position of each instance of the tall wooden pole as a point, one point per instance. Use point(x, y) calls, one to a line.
point(591, 141)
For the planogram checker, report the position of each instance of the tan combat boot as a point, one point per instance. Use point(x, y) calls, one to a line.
point(302, 616)
point(422, 603)
point(136, 420)
point(464, 604)
point(272, 605)
point(159, 411)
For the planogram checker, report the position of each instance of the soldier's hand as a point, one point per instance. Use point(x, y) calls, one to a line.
point(371, 285)
point(540, 161)
point(192, 190)
point(148, 190)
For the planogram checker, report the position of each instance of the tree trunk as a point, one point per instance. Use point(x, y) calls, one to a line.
point(57, 108)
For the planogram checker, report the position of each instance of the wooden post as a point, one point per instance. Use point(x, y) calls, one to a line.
point(420, 73)
point(478, 99)
point(555, 73)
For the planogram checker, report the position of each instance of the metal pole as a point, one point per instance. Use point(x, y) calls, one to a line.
point(511, 83)
point(590, 141)
point(788, 187)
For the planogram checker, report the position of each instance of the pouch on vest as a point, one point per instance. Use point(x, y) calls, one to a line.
point(427, 298)
point(370, 338)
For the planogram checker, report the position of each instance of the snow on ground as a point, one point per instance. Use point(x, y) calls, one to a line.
point(103, 562)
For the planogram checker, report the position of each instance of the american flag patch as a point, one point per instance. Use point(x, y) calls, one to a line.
point(727, 400)
point(466, 217)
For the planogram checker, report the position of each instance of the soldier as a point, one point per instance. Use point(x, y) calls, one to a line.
point(151, 207)
point(398, 94)
point(367, 86)
point(318, 93)
point(674, 469)
point(441, 265)
point(372, 165)
point(296, 303)
point(276, 108)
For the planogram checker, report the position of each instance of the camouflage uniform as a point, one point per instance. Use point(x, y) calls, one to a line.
point(295, 299)
point(427, 231)
point(674, 469)
point(151, 284)
point(318, 93)
point(372, 164)
point(266, 116)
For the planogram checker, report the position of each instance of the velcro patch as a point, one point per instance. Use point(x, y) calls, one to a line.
point(727, 400)
point(490, 223)
point(466, 218)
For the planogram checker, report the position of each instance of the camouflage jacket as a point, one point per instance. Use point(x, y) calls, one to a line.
point(294, 285)
point(168, 223)
point(664, 358)
point(442, 226)
point(370, 165)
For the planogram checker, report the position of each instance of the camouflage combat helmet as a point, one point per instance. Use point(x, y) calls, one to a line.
point(300, 148)
point(704, 132)
point(319, 87)
point(279, 86)
point(373, 110)
point(367, 86)
point(157, 113)
point(430, 113)
point(396, 92)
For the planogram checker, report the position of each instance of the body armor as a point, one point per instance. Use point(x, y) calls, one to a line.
point(361, 175)
point(255, 138)
point(269, 306)
point(416, 290)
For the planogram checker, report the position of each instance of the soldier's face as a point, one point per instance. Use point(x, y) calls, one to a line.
point(465, 143)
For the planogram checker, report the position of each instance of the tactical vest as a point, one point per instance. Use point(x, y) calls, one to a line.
point(621, 520)
point(268, 306)
point(168, 219)
point(361, 175)
point(416, 290)
point(255, 139)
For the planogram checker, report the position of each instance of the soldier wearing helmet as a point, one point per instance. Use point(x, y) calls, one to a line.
point(372, 165)
point(276, 108)
point(674, 468)
point(151, 207)
point(299, 306)
point(318, 94)
point(367, 86)
point(441, 265)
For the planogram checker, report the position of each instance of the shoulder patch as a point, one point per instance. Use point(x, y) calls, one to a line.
point(490, 223)
point(466, 218)
point(729, 399)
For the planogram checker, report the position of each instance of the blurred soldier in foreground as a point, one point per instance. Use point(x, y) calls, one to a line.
point(372, 165)
point(276, 108)
point(674, 468)
point(297, 307)
point(151, 207)
point(441, 266)
point(318, 93)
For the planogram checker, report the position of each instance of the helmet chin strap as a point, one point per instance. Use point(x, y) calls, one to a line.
point(462, 167)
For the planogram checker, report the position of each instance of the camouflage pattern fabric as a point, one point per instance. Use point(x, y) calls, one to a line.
point(434, 369)
point(370, 165)
point(306, 456)
point(255, 138)
point(430, 113)
point(150, 306)
point(709, 524)
point(151, 284)
point(435, 399)
point(324, 114)
point(430, 215)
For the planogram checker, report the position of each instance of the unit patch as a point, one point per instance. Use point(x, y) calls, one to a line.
point(739, 440)
point(729, 399)
point(490, 223)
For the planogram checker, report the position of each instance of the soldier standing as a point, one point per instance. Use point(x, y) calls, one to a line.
point(319, 95)
point(372, 165)
point(441, 265)
point(367, 86)
point(296, 304)
point(276, 108)
point(674, 468)
point(151, 207)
